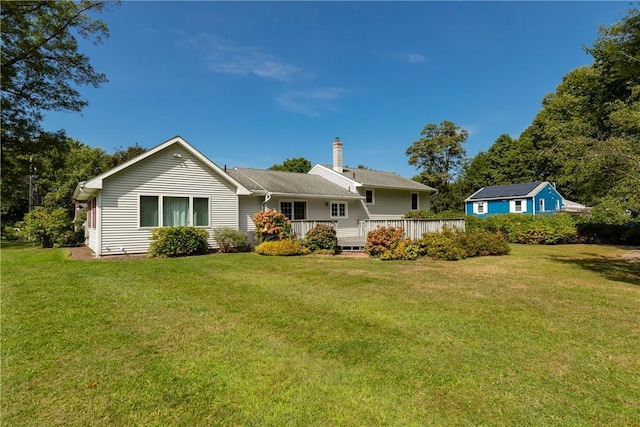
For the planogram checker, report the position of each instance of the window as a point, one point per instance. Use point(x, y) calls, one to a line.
point(517, 206)
point(541, 205)
point(200, 211)
point(295, 210)
point(338, 210)
point(480, 208)
point(368, 195)
point(415, 202)
point(175, 211)
point(148, 211)
point(171, 211)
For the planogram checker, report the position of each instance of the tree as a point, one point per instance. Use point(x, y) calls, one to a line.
point(40, 70)
point(440, 156)
point(299, 164)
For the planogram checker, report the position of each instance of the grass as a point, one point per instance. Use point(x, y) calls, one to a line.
point(549, 335)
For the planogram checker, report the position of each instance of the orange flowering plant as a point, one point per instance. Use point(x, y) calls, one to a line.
point(271, 226)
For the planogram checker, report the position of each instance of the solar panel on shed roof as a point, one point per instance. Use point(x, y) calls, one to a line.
point(512, 190)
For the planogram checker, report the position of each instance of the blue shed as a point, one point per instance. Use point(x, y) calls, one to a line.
point(526, 198)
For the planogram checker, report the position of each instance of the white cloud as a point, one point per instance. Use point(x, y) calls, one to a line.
point(412, 58)
point(311, 102)
point(224, 56)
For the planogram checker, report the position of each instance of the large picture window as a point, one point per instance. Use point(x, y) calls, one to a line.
point(294, 210)
point(171, 211)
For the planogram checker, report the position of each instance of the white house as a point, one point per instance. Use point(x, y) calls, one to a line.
point(173, 184)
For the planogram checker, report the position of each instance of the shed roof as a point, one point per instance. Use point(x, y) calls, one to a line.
point(289, 183)
point(525, 189)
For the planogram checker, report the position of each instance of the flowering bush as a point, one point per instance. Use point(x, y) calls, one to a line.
point(271, 226)
point(383, 239)
point(321, 238)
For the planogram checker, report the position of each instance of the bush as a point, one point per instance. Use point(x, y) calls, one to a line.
point(287, 247)
point(529, 229)
point(271, 226)
point(49, 227)
point(404, 250)
point(178, 241)
point(229, 239)
point(321, 238)
point(483, 243)
point(383, 239)
point(10, 234)
point(445, 245)
point(420, 214)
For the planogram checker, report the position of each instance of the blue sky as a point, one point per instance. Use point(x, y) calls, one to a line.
point(254, 83)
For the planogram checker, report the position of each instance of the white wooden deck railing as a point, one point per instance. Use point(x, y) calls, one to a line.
point(301, 228)
point(413, 228)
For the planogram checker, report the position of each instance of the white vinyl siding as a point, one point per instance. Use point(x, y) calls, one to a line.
point(393, 204)
point(161, 174)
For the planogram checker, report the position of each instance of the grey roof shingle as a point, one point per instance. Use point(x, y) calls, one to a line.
point(380, 179)
point(269, 181)
point(506, 191)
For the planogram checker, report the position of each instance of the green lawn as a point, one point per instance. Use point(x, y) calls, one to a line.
point(549, 335)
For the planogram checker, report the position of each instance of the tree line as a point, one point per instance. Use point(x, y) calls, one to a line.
point(586, 137)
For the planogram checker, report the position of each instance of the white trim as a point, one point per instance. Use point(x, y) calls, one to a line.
point(95, 183)
point(293, 208)
point(512, 206)
point(417, 201)
point(373, 196)
point(160, 218)
point(476, 208)
point(346, 209)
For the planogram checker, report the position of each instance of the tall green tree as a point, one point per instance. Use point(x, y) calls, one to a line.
point(298, 164)
point(440, 156)
point(41, 69)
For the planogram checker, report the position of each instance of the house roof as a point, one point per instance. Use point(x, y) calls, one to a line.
point(85, 190)
point(525, 189)
point(381, 179)
point(293, 184)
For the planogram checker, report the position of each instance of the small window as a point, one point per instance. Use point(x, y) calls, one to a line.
point(415, 202)
point(148, 211)
point(518, 206)
point(287, 209)
point(338, 210)
point(368, 195)
point(480, 207)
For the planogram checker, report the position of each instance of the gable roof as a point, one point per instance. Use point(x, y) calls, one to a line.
point(87, 189)
point(380, 179)
point(260, 181)
point(525, 189)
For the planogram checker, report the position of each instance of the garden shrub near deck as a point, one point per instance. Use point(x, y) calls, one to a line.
point(287, 247)
point(271, 226)
point(321, 238)
point(178, 241)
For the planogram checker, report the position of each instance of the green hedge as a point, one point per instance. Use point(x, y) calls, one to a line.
point(178, 241)
point(321, 238)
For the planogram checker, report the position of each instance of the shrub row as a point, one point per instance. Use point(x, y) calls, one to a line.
point(287, 247)
point(529, 229)
point(388, 243)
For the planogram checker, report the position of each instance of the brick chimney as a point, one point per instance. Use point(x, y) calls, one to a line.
point(337, 155)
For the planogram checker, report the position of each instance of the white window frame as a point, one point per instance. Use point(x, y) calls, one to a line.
point(373, 196)
point(478, 205)
point(346, 209)
point(161, 197)
point(417, 208)
point(293, 209)
point(513, 204)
